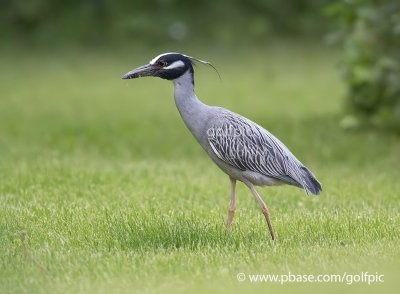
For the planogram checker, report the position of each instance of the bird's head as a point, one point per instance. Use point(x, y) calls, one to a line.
point(169, 66)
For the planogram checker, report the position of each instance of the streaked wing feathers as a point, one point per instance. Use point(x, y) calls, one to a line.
point(247, 146)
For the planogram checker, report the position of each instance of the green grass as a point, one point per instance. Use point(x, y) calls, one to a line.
point(116, 196)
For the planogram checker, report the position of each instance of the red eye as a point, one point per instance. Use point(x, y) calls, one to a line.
point(161, 63)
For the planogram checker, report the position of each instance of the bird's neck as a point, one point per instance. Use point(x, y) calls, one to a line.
point(193, 111)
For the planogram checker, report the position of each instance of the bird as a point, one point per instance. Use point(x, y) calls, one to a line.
point(241, 148)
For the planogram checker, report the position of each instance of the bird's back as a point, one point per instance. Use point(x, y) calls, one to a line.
point(247, 146)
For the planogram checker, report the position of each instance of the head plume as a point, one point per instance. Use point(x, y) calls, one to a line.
point(203, 62)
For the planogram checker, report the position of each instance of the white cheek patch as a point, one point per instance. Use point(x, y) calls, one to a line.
point(175, 64)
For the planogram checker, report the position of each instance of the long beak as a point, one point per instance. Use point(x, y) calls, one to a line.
point(147, 70)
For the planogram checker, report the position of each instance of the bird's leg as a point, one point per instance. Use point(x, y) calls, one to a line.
point(232, 206)
point(264, 210)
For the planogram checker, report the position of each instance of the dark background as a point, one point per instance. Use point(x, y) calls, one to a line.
point(152, 21)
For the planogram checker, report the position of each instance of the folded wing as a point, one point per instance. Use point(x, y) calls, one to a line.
point(247, 146)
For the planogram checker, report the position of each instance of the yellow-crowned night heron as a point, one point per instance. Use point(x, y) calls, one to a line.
point(241, 148)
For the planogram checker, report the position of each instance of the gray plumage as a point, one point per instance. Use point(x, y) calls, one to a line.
point(241, 148)
point(247, 146)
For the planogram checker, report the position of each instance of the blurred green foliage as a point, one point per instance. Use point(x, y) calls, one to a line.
point(368, 29)
point(157, 21)
point(370, 33)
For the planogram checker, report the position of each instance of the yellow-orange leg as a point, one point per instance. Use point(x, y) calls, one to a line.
point(264, 210)
point(232, 206)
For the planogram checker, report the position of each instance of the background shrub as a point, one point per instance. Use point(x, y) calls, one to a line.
point(370, 34)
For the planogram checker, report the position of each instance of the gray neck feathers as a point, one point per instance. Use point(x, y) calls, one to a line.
point(193, 112)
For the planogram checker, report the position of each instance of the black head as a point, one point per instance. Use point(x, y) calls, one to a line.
point(167, 66)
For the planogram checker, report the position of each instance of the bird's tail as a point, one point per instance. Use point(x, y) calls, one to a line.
point(310, 182)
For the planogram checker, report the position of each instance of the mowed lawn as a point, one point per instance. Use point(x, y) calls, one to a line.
point(117, 197)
